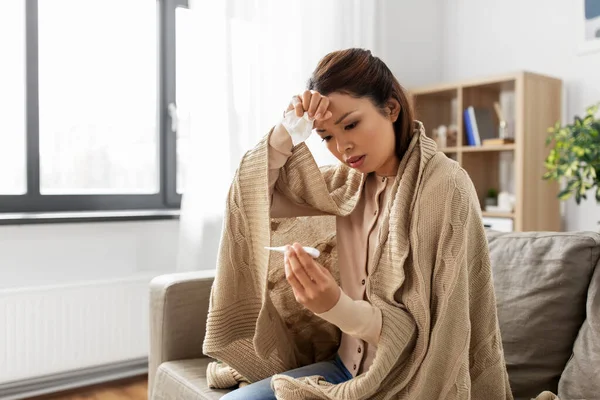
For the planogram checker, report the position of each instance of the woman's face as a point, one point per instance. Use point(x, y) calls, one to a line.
point(359, 135)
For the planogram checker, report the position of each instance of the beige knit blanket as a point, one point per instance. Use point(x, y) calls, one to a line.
point(433, 283)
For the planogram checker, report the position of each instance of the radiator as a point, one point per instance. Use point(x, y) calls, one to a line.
point(45, 331)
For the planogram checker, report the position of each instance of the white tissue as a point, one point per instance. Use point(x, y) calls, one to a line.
point(299, 128)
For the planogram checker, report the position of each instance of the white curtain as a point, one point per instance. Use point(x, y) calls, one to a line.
point(239, 63)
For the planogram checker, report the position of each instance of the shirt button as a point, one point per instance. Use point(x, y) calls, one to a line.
point(359, 350)
point(383, 179)
point(354, 367)
point(363, 281)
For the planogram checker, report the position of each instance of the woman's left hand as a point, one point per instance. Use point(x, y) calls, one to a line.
point(314, 286)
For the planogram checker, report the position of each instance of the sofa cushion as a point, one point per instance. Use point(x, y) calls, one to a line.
point(541, 282)
point(581, 377)
point(184, 379)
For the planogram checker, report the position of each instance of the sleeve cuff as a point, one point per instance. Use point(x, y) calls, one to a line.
point(357, 318)
point(281, 141)
point(339, 311)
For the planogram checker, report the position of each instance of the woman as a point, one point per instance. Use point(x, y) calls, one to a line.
point(412, 251)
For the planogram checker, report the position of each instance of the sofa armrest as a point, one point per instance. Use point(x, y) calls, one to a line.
point(178, 309)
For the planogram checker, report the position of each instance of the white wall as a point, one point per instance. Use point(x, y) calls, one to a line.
point(48, 254)
point(408, 39)
point(489, 37)
point(412, 40)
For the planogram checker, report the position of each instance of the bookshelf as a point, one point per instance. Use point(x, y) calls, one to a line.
point(530, 103)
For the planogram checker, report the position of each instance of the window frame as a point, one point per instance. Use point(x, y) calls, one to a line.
point(167, 197)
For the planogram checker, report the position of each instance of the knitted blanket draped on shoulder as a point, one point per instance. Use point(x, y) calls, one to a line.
point(432, 281)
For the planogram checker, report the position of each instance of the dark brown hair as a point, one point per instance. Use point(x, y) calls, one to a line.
point(356, 72)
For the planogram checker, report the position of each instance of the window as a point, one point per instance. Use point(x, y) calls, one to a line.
point(86, 110)
point(12, 98)
point(185, 83)
point(98, 97)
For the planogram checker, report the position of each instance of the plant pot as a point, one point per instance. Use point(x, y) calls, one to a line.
point(491, 201)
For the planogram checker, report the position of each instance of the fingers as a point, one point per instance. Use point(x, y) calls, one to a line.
point(310, 266)
point(322, 113)
point(293, 281)
point(298, 270)
point(306, 97)
point(315, 100)
point(312, 102)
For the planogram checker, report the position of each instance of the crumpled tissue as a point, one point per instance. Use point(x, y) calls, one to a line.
point(299, 128)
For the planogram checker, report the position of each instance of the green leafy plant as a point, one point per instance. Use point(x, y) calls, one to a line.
point(492, 193)
point(575, 156)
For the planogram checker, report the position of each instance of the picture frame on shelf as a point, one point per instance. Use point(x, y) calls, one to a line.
point(589, 29)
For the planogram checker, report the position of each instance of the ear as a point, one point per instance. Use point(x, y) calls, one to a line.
point(393, 108)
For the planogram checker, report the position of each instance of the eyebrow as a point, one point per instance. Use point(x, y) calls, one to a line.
point(343, 117)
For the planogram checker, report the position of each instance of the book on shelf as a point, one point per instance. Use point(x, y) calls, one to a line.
point(479, 125)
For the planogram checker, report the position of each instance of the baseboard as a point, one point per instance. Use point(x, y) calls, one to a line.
point(72, 380)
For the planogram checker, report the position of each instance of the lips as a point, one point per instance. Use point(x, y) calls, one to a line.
point(355, 162)
point(353, 159)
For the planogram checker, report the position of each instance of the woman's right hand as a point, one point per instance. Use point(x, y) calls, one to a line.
point(312, 102)
point(293, 125)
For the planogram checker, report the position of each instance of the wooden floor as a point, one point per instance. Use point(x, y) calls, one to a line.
point(130, 389)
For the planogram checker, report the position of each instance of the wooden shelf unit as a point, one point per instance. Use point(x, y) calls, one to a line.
point(493, 214)
point(537, 106)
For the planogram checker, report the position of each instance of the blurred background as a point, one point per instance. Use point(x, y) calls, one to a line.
point(123, 122)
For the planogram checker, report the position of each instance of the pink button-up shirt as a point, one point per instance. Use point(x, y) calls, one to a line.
point(357, 239)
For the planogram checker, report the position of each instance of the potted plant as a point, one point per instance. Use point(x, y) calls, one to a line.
point(492, 198)
point(574, 158)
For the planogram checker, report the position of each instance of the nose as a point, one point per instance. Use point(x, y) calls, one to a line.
point(344, 145)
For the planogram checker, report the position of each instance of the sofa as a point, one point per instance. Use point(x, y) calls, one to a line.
point(548, 295)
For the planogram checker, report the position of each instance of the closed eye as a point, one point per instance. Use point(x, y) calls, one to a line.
point(350, 126)
point(326, 139)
